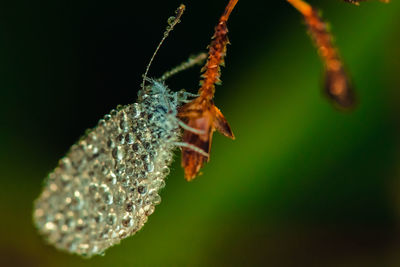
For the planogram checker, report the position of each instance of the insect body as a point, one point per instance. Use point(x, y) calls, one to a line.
point(105, 187)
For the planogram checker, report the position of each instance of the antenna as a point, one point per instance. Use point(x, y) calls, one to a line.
point(172, 21)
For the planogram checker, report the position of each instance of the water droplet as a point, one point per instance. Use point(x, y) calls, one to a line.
point(76, 201)
point(147, 146)
point(127, 221)
point(83, 247)
point(136, 110)
point(50, 226)
point(136, 147)
point(124, 125)
point(137, 163)
point(98, 217)
point(125, 182)
point(171, 20)
point(111, 179)
point(102, 123)
point(110, 143)
point(111, 219)
point(154, 197)
point(121, 139)
point(165, 170)
point(129, 206)
point(149, 166)
point(129, 171)
point(142, 189)
point(104, 233)
point(149, 210)
point(122, 233)
point(146, 158)
point(129, 138)
point(107, 117)
point(107, 198)
point(159, 183)
point(118, 153)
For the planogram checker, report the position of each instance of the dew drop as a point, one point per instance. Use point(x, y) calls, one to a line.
point(149, 167)
point(129, 171)
point(110, 143)
point(122, 234)
point(105, 170)
point(120, 197)
point(127, 221)
point(129, 138)
point(107, 198)
point(149, 210)
point(111, 219)
point(130, 207)
point(136, 110)
point(136, 147)
point(124, 125)
point(156, 200)
point(165, 170)
point(171, 20)
point(107, 117)
point(102, 123)
point(159, 183)
point(50, 226)
point(111, 179)
point(121, 139)
point(98, 217)
point(142, 189)
point(118, 153)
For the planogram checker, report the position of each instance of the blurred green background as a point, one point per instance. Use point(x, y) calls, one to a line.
point(302, 185)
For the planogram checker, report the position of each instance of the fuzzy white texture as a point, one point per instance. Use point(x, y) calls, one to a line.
point(107, 185)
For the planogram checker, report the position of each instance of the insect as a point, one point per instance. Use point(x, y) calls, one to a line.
point(108, 184)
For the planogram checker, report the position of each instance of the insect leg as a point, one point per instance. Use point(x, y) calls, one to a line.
point(182, 96)
point(187, 94)
point(190, 129)
point(192, 147)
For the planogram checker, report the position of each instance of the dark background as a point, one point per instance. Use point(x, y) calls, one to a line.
point(303, 184)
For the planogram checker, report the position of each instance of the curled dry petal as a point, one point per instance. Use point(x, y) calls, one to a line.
point(203, 115)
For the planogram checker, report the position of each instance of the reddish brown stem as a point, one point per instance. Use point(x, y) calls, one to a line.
point(201, 113)
point(216, 54)
point(337, 82)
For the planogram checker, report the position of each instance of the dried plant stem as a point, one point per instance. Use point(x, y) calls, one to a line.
point(337, 82)
point(201, 113)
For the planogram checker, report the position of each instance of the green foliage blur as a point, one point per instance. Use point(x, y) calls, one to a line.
point(303, 184)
